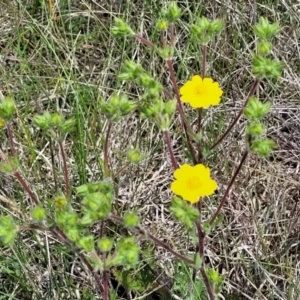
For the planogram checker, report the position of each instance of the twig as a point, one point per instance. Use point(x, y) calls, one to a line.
point(170, 149)
point(66, 173)
point(105, 151)
point(229, 188)
point(158, 242)
point(222, 137)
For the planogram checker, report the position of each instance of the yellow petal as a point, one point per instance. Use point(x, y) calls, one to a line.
point(183, 171)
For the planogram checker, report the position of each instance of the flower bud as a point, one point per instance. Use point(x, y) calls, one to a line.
point(121, 28)
point(263, 147)
point(266, 68)
point(134, 155)
point(105, 244)
point(7, 108)
point(131, 219)
point(264, 48)
point(256, 110)
point(38, 213)
point(173, 12)
point(265, 30)
point(162, 25)
point(86, 243)
point(255, 129)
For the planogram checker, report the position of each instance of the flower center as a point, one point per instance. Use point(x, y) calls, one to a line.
point(193, 183)
point(200, 91)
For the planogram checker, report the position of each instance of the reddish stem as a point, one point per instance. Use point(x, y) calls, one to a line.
point(11, 140)
point(251, 93)
point(204, 48)
point(170, 149)
point(158, 242)
point(186, 127)
point(144, 40)
point(26, 187)
point(65, 167)
point(172, 34)
point(207, 284)
point(105, 279)
point(229, 188)
point(105, 154)
point(53, 164)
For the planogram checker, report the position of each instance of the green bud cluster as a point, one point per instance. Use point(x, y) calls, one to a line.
point(162, 25)
point(127, 253)
point(7, 109)
point(131, 219)
point(134, 155)
point(96, 205)
point(161, 111)
point(184, 212)
point(263, 147)
point(97, 201)
point(134, 72)
point(173, 12)
point(69, 222)
point(215, 278)
point(165, 52)
point(264, 67)
point(264, 30)
point(50, 122)
point(116, 107)
point(152, 106)
point(8, 230)
point(105, 244)
point(38, 213)
point(254, 112)
point(205, 30)
point(121, 28)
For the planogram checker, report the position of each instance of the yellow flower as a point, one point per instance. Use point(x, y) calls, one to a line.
point(2, 123)
point(201, 93)
point(193, 182)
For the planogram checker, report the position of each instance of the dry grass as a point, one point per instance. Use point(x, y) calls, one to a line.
point(47, 65)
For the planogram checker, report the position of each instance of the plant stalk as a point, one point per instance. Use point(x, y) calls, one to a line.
point(66, 172)
point(237, 171)
point(105, 154)
point(186, 127)
point(224, 135)
point(170, 149)
point(200, 110)
point(11, 140)
point(158, 242)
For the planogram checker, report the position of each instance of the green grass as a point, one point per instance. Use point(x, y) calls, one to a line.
point(68, 63)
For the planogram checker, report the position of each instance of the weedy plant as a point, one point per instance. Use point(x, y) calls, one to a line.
point(103, 253)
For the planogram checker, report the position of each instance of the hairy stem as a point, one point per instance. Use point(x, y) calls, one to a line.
point(207, 284)
point(170, 149)
point(11, 140)
point(144, 40)
point(216, 214)
point(200, 158)
point(53, 164)
point(158, 242)
point(186, 127)
point(201, 237)
point(222, 137)
point(105, 154)
point(105, 279)
point(66, 172)
point(25, 186)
